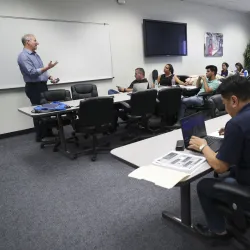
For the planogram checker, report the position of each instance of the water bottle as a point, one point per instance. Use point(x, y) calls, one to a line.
point(156, 85)
point(245, 73)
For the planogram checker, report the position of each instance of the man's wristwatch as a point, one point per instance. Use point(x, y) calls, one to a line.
point(202, 147)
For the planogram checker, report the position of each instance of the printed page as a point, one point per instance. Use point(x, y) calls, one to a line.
point(163, 177)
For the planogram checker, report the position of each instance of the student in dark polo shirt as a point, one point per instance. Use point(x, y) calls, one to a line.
point(139, 78)
point(234, 154)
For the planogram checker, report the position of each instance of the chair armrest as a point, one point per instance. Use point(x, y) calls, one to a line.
point(234, 190)
point(125, 105)
point(206, 95)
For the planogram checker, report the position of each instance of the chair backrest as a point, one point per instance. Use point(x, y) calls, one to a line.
point(96, 111)
point(55, 95)
point(82, 90)
point(217, 99)
point(154, 75)
point(143, 102)
point(169, 104)
point(183, 77)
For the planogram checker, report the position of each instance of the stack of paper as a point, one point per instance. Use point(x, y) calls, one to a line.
point(160, 176)
point(216, 134)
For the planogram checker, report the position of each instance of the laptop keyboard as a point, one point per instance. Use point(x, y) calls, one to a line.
point(211, 139)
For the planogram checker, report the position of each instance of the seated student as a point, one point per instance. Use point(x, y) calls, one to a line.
point(239, 68)
point(139, 78)
point(168, 78)
point(224, 71)
point(210, 84)
point(234, 153)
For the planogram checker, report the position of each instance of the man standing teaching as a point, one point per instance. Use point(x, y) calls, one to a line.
point(35, 75)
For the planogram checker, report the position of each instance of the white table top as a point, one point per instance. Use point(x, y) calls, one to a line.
point(144, 152)
point(74, 104)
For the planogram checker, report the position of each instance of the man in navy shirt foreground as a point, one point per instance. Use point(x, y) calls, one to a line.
point(234, 154)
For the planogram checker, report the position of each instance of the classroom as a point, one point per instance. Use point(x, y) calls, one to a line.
point(125, 124)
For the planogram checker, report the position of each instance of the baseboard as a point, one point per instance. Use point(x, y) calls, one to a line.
point(16, 133)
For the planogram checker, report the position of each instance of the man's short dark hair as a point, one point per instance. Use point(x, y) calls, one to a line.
point(212, 69)
point(235, 85)
point(227, 65)
point(141, 70)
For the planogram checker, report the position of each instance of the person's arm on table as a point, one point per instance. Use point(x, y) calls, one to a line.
point(230, 150)
point(219, 166)
point(120, 89)
point(177, 80)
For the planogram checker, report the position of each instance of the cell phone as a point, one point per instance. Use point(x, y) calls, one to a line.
point(179, 145)
point(118, 87)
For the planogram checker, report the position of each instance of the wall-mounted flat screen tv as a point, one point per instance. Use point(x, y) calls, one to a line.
point(163, 38)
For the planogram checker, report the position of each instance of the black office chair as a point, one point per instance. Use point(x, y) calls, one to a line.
point(82, 91)
point(139, 110)
point(206, 107)
point(183, 77)
point(236, 211)
point(51, 121)
point(218, 107)
point(95, 116)
point(154, 75)
point(55, 95)
point(168, 106)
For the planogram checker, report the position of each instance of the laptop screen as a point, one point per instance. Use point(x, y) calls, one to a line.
point(140, 86)
point(193, 125)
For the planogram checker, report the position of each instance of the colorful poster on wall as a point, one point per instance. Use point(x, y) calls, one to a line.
point(213, 46)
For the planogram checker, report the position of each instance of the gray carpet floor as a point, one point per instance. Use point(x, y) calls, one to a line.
point(48, 202)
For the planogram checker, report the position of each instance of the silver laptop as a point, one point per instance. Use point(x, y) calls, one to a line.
point(140, 86)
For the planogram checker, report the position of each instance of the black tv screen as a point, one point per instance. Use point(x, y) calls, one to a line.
point(164, 38)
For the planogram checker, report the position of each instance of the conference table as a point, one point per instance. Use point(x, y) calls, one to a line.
point(74, 106)
point(144, 152)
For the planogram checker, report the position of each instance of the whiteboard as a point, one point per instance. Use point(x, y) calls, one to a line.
point(82, 49)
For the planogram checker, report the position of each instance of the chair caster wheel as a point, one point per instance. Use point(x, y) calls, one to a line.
point(42, 146)
point(93, 158)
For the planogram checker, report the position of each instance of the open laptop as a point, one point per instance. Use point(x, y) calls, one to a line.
point(195, 125)
point(139, 87)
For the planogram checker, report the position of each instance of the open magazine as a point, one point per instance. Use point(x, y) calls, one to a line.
point(179, 161)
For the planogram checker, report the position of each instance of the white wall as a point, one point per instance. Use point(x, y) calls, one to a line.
point(126, 39)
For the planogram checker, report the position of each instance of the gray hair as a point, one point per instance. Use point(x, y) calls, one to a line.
point(26, 38)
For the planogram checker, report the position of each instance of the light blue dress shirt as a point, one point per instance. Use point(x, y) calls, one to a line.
point(30, 65)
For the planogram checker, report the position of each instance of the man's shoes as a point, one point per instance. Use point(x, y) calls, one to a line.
point(207, 233)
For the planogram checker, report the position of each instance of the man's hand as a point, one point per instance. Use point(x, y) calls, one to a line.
point(203, 78)
point(196, 142)
point(120, 89)
point(222, 131)
point(53, 80)
point(52, 65)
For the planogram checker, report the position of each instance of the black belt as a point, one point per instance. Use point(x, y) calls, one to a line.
point(34, 84)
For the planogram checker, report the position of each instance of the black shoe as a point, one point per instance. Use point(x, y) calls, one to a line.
point(207, 233)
